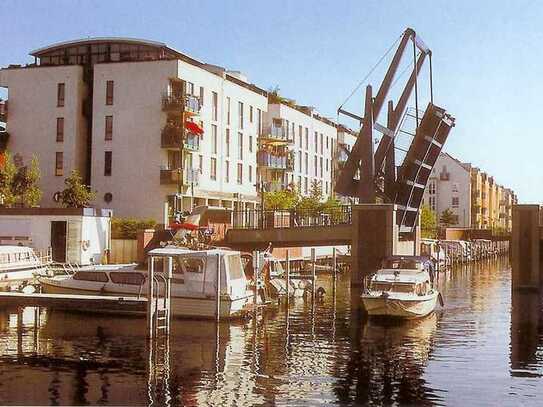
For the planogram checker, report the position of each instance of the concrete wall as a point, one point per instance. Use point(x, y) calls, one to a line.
point(32, 122)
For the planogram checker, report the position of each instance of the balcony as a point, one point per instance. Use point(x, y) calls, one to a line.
point(170, 176)
point(276, 160)
point(274, 134)
point(274, 186)
point(172, 134)
point(178, 103)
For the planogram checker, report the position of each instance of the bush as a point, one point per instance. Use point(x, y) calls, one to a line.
point(127, 228)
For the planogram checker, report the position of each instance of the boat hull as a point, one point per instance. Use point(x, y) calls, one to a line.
point(405, 308)
point(181, 307)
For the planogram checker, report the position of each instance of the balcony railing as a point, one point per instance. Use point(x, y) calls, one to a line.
point(276, 161)
point(170, 176)
point(274, 133)
point(172, 134)
point(176, 103)
point(274, 186)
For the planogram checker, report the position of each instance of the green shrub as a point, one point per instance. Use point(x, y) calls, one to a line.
point(127, 228)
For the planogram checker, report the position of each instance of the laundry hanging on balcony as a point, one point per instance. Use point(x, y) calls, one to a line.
point(194, 128)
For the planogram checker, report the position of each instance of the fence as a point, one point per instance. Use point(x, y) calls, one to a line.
point(124, 251)
point(274, 219)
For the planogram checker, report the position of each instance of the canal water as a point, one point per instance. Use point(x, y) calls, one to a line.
point(480, 349)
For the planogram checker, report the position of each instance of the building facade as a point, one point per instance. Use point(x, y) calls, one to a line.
point(473, 196)
point(107, 108)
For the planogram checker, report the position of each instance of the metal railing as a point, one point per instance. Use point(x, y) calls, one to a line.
point(175, 102)
point(276, 133)
point(278, 219)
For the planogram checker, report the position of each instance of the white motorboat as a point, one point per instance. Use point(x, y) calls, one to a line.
point(193, 289)
point(402, 288)
point(19, 264)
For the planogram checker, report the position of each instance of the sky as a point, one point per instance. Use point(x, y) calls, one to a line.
point(487, 57)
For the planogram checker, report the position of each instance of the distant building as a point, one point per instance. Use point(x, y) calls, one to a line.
point(106, 107)
point(474, 197)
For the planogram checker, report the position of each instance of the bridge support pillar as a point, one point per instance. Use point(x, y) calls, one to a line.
point(525, 248)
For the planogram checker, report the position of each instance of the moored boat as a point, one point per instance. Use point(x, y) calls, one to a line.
point(402, 288)
point(19, 264)
point(193, 283)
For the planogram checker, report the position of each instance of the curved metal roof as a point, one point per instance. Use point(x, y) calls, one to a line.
point(99, 40)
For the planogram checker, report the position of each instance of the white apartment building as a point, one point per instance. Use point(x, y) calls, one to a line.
point(296, 147)
point(107, 107)
point(449, 187)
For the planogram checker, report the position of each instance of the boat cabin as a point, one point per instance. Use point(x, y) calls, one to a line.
point(404, 274)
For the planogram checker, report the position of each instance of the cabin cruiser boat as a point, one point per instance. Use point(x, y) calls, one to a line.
point(18, 264)
point(402, 288)
point(193, 283)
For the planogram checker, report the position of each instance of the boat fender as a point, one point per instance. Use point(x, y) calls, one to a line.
point(440, 299)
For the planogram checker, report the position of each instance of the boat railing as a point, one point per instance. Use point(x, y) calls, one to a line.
point(63, 268)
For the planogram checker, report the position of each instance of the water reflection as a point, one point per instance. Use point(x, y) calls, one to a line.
point(300, 354)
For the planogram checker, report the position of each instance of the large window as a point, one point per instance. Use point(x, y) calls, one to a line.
point(109, 128)
point(213, 139)
point(97, 276)
point(228, 110)
point(240, 173)
point(60, 94)
point(228, 142)
point(240, 146)
point(213, 173)
point(109, 92)
point(127, 277)
point(107, 163)
point(306, 138)
point(250, 114)
point(306, 164)
point(259, 121)
point(215, 106)
point(227, 172)
point(455, 202)
point(240, 113)
point(201, 95)
point(59, 164)
point(299, 161)
point(60, 129)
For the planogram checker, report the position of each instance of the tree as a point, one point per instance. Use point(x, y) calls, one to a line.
point(447, 218)
point(25, 184)
point(284, 200)
point(275, 98)
point(7, 174)
point(312, 203)
point(428, 223)
point(76, 194)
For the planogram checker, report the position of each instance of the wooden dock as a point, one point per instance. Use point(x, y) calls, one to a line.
point(86, 303)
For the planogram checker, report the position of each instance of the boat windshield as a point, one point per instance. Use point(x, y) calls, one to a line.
point(126, 277)
point(396, 287)
point(91, 276)
point(401, 264)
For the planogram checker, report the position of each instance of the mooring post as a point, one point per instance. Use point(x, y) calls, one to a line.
point(313, 273)
point(256, 266)
point(150, 302)
point(218, 295)
point(334, 268)
point(168, 293)
point(288, 275)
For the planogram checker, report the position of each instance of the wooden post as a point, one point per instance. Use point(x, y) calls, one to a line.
point(288, 275)
point(313, 273)
point(168, 293)
point(218, 294)
point(334, 268)
point(150, 288)
point(256, 265)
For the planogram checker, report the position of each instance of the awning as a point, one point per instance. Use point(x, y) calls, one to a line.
point(194, 128)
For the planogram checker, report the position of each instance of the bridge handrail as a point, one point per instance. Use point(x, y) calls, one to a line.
point(290, 218)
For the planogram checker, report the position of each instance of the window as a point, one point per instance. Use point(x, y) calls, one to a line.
point(327, 165)
point(240, 113)
point(455, 187)
point(60, 94)
point(287, 128)
point(306, 138)
point(250, 173)
point(213, 172)
point(190, 88)
point(227, 172)
point(299, 182)
point(293, 138)
point(259, 121)
point(213, 139)
point(240, 173)
point(124, 277)
point(215, 107)
point(109, 128)
point(305, 185)
point(300, 136)
point(320, 166)
point(250, 114)
point(60, 129)
point(201, 163)
point(250, 144)
point(306, 164)
point(455, 202)
point(299, 161)
point(316, 141)
point(109, 92)
point(326, 190)
point(59, 164)
point(432, 203)
point(432, 188)
point(327, 143)
point(227, 109)
point(322, 143)
point(228, 142)
point(98, 276)
point(107, 164)
point(240, 146)
point(201, 95)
